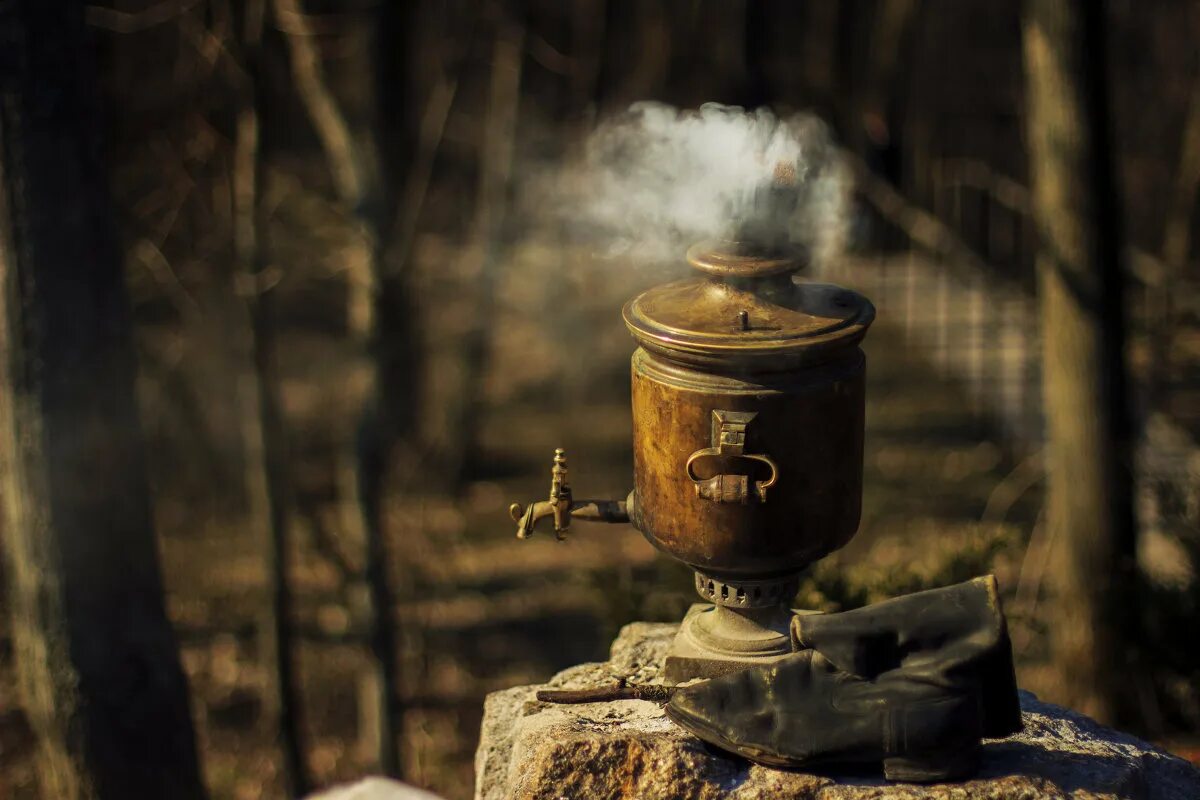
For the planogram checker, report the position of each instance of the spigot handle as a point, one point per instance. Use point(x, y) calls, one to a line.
point(558, 505)
point(523, 516)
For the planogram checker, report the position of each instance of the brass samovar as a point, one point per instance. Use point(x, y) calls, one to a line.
point(748, 412)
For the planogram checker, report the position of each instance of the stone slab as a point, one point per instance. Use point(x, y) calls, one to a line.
point(374, 788)
point(538, 751)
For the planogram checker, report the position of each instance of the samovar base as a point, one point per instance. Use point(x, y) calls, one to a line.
point(704, 656)
point(745, 626)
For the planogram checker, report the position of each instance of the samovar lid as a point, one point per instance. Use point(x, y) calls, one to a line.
point(748, 312)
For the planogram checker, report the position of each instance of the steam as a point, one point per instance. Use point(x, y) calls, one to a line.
point(657, 179)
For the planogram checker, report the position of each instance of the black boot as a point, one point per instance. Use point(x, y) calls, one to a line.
point(954, 638)
point(803, 712)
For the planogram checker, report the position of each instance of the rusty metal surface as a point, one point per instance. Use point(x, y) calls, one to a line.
point(749, 314)
point(808, 422)
point(729, 446)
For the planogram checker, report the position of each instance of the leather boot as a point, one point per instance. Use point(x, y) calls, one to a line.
point(803, 711)
point(954, 638)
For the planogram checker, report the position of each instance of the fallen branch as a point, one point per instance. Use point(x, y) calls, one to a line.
point(605, 694)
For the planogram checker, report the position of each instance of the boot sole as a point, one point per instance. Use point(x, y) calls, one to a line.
point(950, 765)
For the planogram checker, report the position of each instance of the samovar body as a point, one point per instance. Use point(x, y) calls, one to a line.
point(808, 422)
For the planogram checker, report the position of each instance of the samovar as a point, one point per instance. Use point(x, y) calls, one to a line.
point(748, 415)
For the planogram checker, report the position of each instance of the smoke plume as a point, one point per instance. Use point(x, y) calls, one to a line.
point(657, 179)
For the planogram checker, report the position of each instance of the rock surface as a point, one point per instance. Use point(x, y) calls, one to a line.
point(530, 750)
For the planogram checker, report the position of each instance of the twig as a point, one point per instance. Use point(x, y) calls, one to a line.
point(160, 268)
point(922, 227)
point(605, 694)
point(1177, 237)
point(432, 130)
point(116, 21)
point(298, 23)
point(928, 231)
point(1020, 480)
point(1033, 569)
point(326, 543)
point(345, 162)
point(976, 174)
point(213, 48)
point(550, 56)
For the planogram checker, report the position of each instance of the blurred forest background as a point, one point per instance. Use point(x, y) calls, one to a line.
point(359, 336)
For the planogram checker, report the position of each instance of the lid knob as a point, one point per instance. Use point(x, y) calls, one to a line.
point(725, 259)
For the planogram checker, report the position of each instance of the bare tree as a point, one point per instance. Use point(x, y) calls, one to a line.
point(350, 158)
point(1176, 249)
point(98, 664)
point(458, 429)
point(1089, 507)
point(270, 487)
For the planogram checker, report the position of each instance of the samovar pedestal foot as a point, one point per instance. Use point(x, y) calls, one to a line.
point(746, 625)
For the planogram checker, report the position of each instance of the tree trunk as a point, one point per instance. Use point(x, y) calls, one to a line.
point(1176, 250)
point(457, 431)
point(1089, 468)
point(97, 659)
point(383, 307)
point(269, 482)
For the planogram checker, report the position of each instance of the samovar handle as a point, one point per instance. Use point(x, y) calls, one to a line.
point(729, 442)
